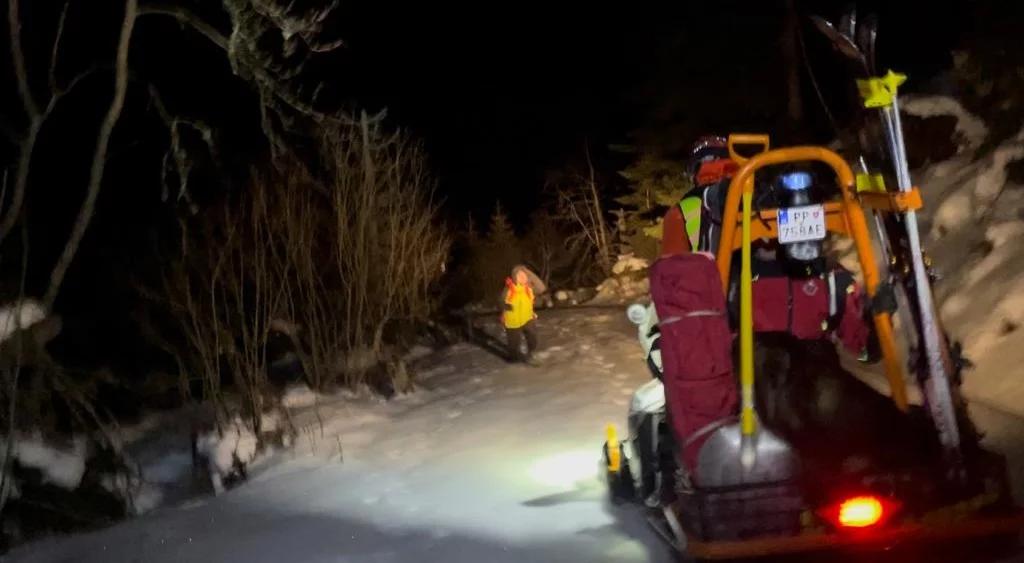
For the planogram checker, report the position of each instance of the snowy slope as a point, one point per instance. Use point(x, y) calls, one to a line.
point(974, 231)
point(487, 462)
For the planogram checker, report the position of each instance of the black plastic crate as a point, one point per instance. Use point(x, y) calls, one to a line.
point(742, 512)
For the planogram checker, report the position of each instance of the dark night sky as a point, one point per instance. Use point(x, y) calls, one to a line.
point(504, 94)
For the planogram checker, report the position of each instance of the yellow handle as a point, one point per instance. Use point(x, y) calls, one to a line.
point(612, 443)
point(747, 423)
point(746, 139)
point(880, 91)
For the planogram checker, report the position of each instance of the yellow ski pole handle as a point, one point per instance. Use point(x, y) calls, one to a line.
point(879, 91)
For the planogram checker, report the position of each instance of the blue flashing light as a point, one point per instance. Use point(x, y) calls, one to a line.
point(796, 181)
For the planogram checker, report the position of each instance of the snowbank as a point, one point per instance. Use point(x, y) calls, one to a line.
point(418, 352)
point(146, 499)
point(974, 221)
point(298, 396)
point(19, 316)
point(144, 496)
point(228, 452)
point(62, 467)
point(971, 129)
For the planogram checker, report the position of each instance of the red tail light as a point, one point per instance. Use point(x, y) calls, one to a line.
point(860, 512)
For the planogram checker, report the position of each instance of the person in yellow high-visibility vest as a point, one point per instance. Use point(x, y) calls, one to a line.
point(690, 225)
point(518, 316)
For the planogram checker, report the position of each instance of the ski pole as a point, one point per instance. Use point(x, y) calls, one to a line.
point(882, 93)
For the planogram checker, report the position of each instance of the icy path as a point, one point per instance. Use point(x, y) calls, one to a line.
point(490, 463)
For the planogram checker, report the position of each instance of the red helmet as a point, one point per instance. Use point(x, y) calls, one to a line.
point(707, 148)
point(709, 145)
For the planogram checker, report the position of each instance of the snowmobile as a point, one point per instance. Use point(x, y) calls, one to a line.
point(755, 491)
point(646, 455)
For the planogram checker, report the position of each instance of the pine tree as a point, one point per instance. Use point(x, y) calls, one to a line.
point(545, 249)
point(493, 256)
point(500, 233)
point(656, 183)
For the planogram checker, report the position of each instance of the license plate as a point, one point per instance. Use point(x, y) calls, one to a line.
point(798, 224)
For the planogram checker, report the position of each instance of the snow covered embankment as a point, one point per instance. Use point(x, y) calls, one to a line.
point(974, 230)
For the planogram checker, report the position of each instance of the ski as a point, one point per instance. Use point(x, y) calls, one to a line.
point(668, 529)
point(900, 234)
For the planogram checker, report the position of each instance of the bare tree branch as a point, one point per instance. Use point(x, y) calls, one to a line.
point(60, 92)
point(10, 216)
point(177, 151)
point(579, 205)
point(36, 116)
point(54, 53)
point(259, 66)
point(18, 58)
point(186, 17)
point(3, 187)
point(14, 376)
point(13, 211)
point(99, 155)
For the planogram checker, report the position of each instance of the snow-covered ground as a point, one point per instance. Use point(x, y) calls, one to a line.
point(486, 462)
point(973, 229)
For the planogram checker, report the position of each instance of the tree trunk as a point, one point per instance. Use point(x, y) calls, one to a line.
point(604, 249)
point(99, 159)
point(791, 58)
point(12, 381)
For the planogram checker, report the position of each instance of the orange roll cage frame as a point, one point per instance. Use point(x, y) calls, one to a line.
point(843, 217)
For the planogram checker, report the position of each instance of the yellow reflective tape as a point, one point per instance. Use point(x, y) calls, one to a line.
point(879, 92)
point(690, 208)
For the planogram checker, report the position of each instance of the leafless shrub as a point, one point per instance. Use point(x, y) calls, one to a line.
point(579, 204)
point(329, 259)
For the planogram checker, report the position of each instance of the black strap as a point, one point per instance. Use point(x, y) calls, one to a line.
point(884, 300)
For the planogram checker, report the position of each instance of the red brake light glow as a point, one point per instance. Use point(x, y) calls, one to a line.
point(860, 512)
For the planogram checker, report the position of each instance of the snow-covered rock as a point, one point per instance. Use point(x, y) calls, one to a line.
point(19, 316)
point(629, 263)
point(621, 289)
point(298, 396)
point(971, 129)
point(965, 190)
point(227, 451)
point(62, 467)
point(628, 282)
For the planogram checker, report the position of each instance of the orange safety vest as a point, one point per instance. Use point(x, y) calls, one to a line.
point(521, 299)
